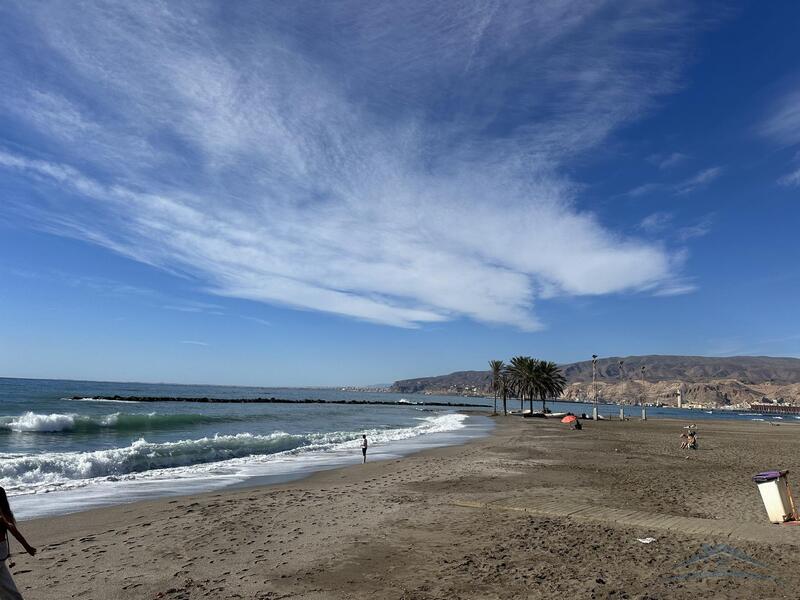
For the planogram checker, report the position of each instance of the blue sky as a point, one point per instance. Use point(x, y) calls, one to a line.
point(349, 193)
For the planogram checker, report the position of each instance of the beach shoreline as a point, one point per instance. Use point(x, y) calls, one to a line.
point(479, 520)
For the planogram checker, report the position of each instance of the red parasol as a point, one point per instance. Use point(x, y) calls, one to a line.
point(569, 419)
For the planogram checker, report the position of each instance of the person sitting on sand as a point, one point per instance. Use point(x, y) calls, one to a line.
point(684, 441)
point(691, 440)
point(576, 425)
point(364, 448)
point(8, 589)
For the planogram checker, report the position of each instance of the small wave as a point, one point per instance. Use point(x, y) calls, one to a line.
point(55, 423)
point(50, 471)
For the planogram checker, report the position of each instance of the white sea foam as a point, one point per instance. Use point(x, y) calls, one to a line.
point(50, 471)
point(35, 422)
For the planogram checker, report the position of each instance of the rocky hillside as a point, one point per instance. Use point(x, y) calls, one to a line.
point(747, 369)
point(703, 381)
point(460, 382)
point(712, 393)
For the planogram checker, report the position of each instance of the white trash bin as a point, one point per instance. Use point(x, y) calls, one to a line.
point(774, 489)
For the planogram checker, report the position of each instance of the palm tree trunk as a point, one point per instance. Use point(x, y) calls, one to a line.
point(544, 405)
point(531, 402)
point(505, 412)
point(495, 402)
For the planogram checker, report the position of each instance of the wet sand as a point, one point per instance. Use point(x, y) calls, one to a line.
point(532, 511)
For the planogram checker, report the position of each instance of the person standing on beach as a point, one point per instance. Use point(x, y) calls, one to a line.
point(8, 589)
point(364, 448)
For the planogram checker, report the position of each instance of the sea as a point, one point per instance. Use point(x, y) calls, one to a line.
point(60, 455)
point(63, 449)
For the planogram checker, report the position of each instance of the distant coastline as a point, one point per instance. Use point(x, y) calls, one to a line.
point(734, 382)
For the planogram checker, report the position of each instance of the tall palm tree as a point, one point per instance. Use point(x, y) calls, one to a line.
point(505, 388)
point(497, 367)
point(516, 372)
point(524, 375)
point(533, 383)
point(550, 381)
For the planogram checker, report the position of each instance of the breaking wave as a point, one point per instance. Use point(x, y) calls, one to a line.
point(51, 471)
point(52, 423)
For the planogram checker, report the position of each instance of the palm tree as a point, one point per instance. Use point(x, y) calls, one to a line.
point(533, 383)
point(505, 388)
point(550, 381)
point(516, 372)
point(525, 377)
point(497, 367)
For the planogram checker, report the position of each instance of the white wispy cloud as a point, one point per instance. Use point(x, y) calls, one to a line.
point(194, 343)
point(677, 287)
point(783, 127)
point(667, 161)
point(686, 186)
point(700, 179)
point(698, 229)
point(258, 320)
point(644, 189)
point(663, 223)
point(146, 296)
point(656, 222)
point(196, 307)
point(791, 179)
point(400, 163)
point(783, 124)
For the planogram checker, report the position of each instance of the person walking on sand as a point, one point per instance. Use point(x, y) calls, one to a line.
point(8, 589)
point(364, 448)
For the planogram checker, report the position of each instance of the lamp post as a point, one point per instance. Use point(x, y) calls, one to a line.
point(594, 386)
point(644, 408)
point(622, 390)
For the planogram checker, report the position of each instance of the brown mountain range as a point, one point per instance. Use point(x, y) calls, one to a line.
point(703, 380)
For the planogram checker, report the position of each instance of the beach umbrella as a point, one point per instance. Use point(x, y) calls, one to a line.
point(569, 419)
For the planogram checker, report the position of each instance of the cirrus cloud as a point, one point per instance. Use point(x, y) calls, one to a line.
point(397, 163)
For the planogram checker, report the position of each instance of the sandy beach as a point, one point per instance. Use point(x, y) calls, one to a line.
point(531, 511)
